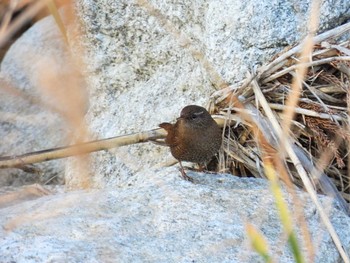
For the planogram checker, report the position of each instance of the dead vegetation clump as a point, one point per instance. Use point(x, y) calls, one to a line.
point(319, 133)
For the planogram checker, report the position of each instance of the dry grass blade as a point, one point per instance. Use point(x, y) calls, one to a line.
point(21, 20)
point(307, 64)
point(53, 10)
point(79, 149)
point(307, 112)
point(282, 60)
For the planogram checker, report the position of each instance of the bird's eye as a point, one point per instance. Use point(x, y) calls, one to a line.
point(196, 115)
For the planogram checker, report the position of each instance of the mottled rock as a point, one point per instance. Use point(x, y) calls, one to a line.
point(144, 68)
point(158, 217)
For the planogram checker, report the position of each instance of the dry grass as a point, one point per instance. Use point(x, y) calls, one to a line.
point(321, 116)
point(17, 13)
point(314, 89)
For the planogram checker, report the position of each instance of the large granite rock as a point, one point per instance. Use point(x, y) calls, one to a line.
point(156, 216)
point(144, 66)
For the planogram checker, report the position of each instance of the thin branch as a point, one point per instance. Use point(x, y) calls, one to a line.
point(306, 112)
point(281, 60)
point(308, 64)
point(79, 149)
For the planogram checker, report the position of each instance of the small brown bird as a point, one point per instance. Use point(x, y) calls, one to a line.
point(195, 137)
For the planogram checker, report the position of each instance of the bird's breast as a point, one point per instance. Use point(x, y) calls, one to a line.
point(196, 144)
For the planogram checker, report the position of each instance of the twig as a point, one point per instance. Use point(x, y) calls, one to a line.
point(306, 112)
point(79, 149)
point(281, 60)
point(56, 15)
point(308, 64)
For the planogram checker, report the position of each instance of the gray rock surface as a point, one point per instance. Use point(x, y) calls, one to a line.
point(141, 73)
point(158, 217)
point(37, 75)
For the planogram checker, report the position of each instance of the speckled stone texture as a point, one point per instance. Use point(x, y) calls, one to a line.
point(158, 217)
point(142, 69)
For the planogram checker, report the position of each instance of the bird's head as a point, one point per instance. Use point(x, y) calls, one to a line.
point(195, 116)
